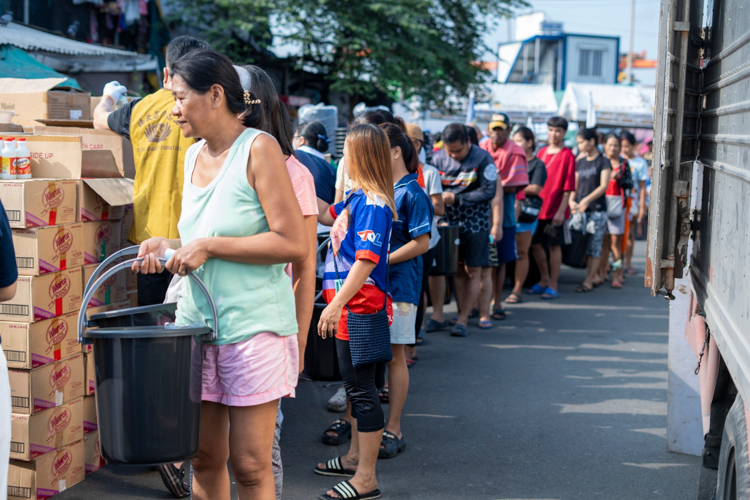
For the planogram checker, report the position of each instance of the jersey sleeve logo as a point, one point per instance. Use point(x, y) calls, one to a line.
point(370, 236)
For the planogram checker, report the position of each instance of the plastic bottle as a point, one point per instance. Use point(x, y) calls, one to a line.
point(6, 159)
point(22, 161)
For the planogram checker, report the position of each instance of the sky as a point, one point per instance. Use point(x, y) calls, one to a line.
point(597, 17)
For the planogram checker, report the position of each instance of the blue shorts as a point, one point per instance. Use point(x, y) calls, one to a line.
point(525, 227)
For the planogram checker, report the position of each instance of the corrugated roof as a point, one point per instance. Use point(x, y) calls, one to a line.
point(31, 39)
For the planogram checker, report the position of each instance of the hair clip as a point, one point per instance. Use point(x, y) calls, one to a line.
point(324, 138)
point(248, 98)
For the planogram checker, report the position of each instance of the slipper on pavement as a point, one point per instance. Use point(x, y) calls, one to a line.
point(453, 321)
point(346, 491)
point(485, 324)
point(550, 294)
point(335, 468)
point(498, 314)
point(536, 290)
point(460, 330)
point(514, 298)
point(433, 326)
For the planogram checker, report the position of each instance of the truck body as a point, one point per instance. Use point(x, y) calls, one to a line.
point(699, 220)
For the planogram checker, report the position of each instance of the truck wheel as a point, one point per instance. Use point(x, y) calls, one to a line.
point(733, 480)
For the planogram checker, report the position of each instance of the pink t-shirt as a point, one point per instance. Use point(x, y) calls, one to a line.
point(510, 160)
point(304, 189)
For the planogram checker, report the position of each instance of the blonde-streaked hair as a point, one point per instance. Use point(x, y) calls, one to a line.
point(369, 162)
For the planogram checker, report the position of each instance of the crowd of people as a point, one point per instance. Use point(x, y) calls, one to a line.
point(240, 197)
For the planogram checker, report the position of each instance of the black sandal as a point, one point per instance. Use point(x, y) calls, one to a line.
point(498, 314)
point(346, 491)
point(342, 428)
point(335, 468)
point(583, 289)
point(383, 395)
point(391, 445)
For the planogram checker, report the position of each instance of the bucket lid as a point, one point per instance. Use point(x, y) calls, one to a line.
point(170, 307)
point(144, 332)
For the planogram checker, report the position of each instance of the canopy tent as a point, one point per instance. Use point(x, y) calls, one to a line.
point(71, 56)
point(615, 105)
point(520, 101)
point(15, 63)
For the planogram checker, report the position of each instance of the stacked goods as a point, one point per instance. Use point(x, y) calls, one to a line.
point(64, 223)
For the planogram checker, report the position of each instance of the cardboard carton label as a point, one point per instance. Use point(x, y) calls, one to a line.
point(38, 202)
point(114, 288)
point(100, 239)
point(94, 208)
point(49, 474)
point(50, 430)
point(31, 345)
point(43, 297)
point(46, 387)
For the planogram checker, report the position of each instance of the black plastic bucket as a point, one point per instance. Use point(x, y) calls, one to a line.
point(446, 251)
point(148, 378)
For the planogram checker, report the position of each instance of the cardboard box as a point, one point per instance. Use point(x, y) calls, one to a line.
point(32, 436)
point(96, 141)
point(48, 249)
point(43, 297)
point(92, 207)
point(31, 345)
point(39, 202)
point(36, 99)
point(48, 475)
point(90, 373)
point(93, 452)
point(33, 391)
point(133, 298)
point(90, 419)
point(112, 290)
point(100, 240)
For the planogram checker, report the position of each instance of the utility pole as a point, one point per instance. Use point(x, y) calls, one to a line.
point(629, 73)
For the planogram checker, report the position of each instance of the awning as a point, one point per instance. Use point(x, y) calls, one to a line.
point(615, 105)
point(71, 56)
point(15, 63)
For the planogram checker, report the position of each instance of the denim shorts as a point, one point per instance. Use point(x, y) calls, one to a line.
point(525, 227)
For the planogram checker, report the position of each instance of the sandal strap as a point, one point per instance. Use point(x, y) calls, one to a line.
point(389, 435)
point(334, 464)
point(346, 490)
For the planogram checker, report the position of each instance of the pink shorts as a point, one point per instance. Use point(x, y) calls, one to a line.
point(250, 373)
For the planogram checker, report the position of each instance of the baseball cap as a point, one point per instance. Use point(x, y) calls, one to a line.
point(414, 132)
point(500, 120)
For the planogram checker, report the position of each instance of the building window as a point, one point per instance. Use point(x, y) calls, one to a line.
point(590, 62)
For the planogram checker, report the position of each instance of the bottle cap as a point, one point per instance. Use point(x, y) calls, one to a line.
point(10, 138)
point(21, 139)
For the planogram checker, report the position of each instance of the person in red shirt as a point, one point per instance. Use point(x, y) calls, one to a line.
point(553, 217)
point(512, 177)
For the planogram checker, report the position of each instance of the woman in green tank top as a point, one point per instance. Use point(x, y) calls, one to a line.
point(240, 226)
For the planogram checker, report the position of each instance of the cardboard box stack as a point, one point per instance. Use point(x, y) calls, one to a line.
point(66, 219)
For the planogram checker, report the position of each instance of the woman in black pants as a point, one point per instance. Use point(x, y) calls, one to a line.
point(355, 280)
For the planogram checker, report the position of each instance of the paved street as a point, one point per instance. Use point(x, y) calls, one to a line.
point(563, 400)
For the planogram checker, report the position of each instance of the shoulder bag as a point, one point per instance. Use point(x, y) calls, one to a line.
point(369, 334)
point(530, 208)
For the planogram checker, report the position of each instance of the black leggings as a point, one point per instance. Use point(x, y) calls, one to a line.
point(427, 259)
point(360, 387)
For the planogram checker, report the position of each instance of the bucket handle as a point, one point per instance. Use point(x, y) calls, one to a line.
point(214, 335)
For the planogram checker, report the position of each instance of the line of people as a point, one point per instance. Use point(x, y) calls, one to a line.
point(239, 196)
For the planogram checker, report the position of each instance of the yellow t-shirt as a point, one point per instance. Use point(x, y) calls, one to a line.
point(159, 152)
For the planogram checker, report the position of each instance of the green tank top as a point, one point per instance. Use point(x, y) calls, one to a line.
point(250, 298)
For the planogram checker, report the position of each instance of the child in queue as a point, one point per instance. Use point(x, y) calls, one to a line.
point(360, 238)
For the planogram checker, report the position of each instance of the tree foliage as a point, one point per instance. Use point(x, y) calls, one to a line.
point(405, 48)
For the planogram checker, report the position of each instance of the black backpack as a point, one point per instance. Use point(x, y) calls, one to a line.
point(626, 178)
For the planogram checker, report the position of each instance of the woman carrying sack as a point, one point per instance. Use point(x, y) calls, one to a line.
point(355, 286)
point(592, 179)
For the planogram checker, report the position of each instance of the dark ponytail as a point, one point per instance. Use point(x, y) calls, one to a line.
point(201, 69)
point(528, 135)
point(315, 135)
point(398, 138)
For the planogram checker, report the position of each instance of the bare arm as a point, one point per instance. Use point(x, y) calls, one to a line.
point(324, 216)
point(414, 248)
point(641, 200)
point(8, 292)
point(102, 111)
point(532, 190)
point(438, 206)
point(339, 196)
point(303, 274)
point(560, 214)
point(496, 206)
point(331, 315)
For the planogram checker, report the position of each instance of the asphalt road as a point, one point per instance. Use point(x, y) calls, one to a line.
point(563, 400)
